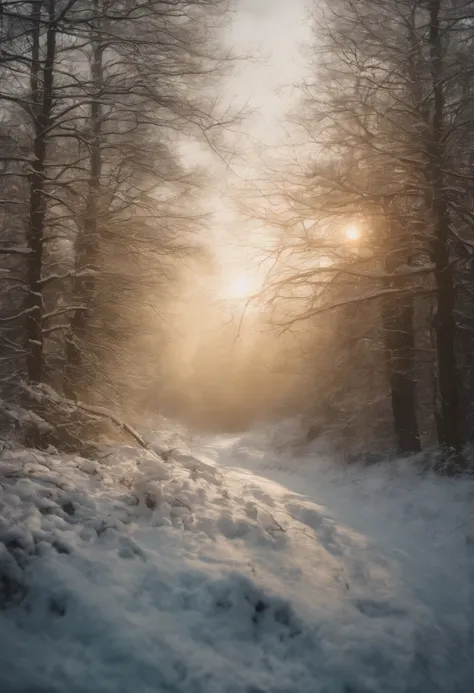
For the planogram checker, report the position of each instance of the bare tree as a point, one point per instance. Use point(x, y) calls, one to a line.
point(377, 146)
point(106, 94)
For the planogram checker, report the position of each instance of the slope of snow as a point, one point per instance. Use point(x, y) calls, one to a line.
point(232, 566)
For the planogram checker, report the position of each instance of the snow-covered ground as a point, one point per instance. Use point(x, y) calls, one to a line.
point(233, 565)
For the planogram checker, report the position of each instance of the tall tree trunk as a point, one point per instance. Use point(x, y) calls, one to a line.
point(42, 102)
point(399, 343)
point(87, 238)
point(449, 424)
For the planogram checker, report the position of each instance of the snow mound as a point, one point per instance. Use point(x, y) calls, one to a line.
point(163, 571)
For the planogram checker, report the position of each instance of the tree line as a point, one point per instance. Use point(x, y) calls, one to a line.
point(373, 210)
point(371, 206)
point(96, 200)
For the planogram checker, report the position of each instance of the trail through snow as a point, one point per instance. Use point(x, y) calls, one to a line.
point(233, 565)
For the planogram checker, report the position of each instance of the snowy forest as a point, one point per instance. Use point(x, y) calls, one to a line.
point(98, 208)
point(236, 346)
point(366, 204)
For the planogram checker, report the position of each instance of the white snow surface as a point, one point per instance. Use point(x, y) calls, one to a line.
point(237, 564)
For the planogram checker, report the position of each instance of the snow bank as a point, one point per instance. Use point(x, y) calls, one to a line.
point(164, 571)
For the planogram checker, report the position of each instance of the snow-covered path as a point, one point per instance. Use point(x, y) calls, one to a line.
point(232, 567)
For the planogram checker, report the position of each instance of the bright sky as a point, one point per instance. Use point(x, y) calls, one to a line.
point(271, 31)
point(275, 29)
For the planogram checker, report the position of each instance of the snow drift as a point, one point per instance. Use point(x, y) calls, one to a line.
point(207, 566)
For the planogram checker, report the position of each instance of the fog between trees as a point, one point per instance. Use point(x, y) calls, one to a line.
point(112, 294)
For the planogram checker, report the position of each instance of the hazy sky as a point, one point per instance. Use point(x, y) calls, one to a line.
point(273, 29)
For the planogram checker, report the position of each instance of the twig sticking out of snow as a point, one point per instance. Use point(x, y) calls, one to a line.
point(278, 526)
point(105, 413)
point(180, 502)
point(67, 411)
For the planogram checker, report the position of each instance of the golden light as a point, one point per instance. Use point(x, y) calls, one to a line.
point(240, 288)
point(325, 261)
point(352, 232)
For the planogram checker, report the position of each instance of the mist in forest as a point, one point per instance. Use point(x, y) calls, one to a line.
point(225, 367)
point(230, 212)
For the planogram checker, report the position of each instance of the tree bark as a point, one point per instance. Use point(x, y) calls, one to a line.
point(399, 347)
point(445, 324)
point(42, 103)
point(399, 343)
point(87, 239)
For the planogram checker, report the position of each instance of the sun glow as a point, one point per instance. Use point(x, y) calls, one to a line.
point(240, 287)
point(352, 232)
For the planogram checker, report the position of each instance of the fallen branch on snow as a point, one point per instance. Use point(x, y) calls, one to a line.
point(71, 421)
point(105, 413)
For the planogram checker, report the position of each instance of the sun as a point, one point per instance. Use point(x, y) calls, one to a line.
point(352, 232)
point(240, 287)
